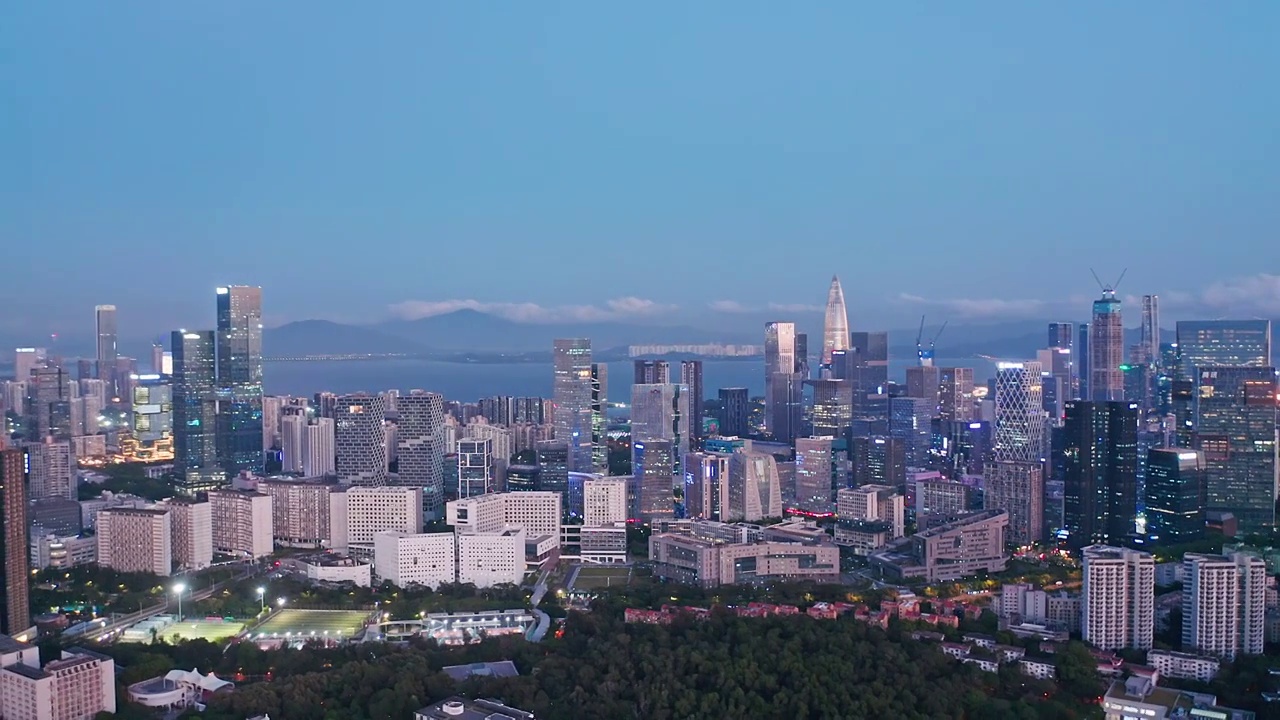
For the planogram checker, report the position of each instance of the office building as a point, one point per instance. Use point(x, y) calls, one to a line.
point(654, 466)
point(302, 511)
point(572, 400)
point(494, 558)
point(80, 685)
point(830, 407)
point(691, 378)
point(151, 418)
point(15, 615)
point(1217, 343)
point(708, 563)
point(242, 523)
point(783, 382)
point(1224, 604)
point(820, 470)
point(239, 368)
point(420, 449)
point(195, 406)
point(734, 411)
point(107, 350)
point(879, 460)
point(1117, 598)
point(835, 324)
point(868, 367)
point(1147, 351)
point(873, 503)
point(1235, 428)
point(371, 510)
point(475, 468)
point(134, 540)
point(652, 372)
point(1175, 495)
point(968, 545)
point(1017, 487)
point(539, 513)
point(925, 382)
point(911, 421)
point(1100, 489)
point(553, 467)
point(1015, 480)
point(661, 413)
point(50, 394)
point(599, 418)
point(604, 501)
point(755, 490)
point(415, 559)
point(191, 533)
point(360, 439)
point(1106, 349)
point(1062, 338)
point(51, 465)
point(706, 486)
point(955, 394)
point(26, 359)
point(941, 498)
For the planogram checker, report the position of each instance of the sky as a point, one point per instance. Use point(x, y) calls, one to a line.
point(658, 162)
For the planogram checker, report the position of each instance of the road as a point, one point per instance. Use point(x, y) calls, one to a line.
point(170, 604)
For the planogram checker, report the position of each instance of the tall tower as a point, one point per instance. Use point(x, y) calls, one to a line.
point(420, 448)
point(1235, 428)
point(1117, 598)
point(194, 404)
point(15, 614)
point(835, 325)
point(1106, 348)
point(691, 377)
point(599, 418)
point(571, 398)
point(239, 426)
point(1100, 486)
point(783, 380)
point(1015, 481)
point(1149, 341)
point(105, 320)
point(360, 439)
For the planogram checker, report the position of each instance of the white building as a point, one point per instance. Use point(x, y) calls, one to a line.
point(371, 510)
point(177, 689)
point(241, 522)
point(50, 551)
point(135, 540)
point(76, 687)
point(538, 513)
point(1224, 604)
point(476, 471)
point(407, 559)
point(499, 437)
point(1118, 598)
point(307, 445)
point(604, 501)
point(301, 511)
point(755, 490)
point(873, 503)
point(1183, 665)
point(332, 568)
point(192, 533)
point(493, 558)
point(51, 468)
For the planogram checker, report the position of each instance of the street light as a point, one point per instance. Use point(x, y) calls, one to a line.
point(179, 589)
point(280, 601)
point(262, 599)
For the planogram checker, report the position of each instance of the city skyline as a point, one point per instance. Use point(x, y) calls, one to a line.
point(990, 132)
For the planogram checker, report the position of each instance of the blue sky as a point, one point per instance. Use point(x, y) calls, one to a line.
point(691, 162)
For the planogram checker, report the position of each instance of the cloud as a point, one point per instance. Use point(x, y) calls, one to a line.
point(1252, 294)
point(728, 306)
point(616, 309)
point(981, 308)
point(796, 308)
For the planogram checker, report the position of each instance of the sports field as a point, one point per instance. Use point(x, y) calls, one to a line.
point(211, 630)
point(332, 624)
point(595, 577)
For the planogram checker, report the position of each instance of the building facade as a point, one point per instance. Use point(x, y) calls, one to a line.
point(1224, 601)
point(136, 540)
point(242, 522)
point(1100, 486)
point(1117, 598)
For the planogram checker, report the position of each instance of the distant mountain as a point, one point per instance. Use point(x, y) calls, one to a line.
point(322, 337)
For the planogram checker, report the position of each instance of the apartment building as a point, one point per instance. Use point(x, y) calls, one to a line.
point(241, 522)
point(136, 540)
point(1117, 598)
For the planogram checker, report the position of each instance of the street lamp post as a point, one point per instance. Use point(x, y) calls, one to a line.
point(280, 602)
point(179, 589)
point(262, 599)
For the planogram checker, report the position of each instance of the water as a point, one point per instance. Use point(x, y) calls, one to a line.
point(471, 381)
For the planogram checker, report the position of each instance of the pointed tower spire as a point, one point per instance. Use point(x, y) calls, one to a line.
point(835, 330)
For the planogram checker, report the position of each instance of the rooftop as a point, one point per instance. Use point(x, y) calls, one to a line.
point(458, 708)
point(961, 521)
point(9, 645)
point(502, 669)
point(28, 672)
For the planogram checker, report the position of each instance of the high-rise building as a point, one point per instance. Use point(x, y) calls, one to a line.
point(734, 409)
point(194, 400)
point(302, 511)
point(652, 372)
point(15, 614)
point(873, 503)
point(135, 540)
point(600, 417)
point(1117, 604)
point(868, 368)
point(1015, 481)
point(653, 464)
point(755, 490)
point(1100, 490)
point(242, 522)
point(360, 439)
point(26, 359)
point(371, 510)
point(1224, 604)
point(911, 420)
point(691, 378)
point(475, 468)
point(830, 406)
point(1214, 343)
point(51, 465)
point(604, 501)
point(191, 533)
point(80, 684)
point(1062, 337)
point(553, 467)
point(1175, 495)
point(239, 369)
point(878, 461)
point(420, 448)
point(1106, 349)
point(51, 396)
point(706, 486)
point(955, 401)
point(105, 320)
point(820, 471)
point(1235, 428)
point(661, 412)
point(152, 408)
point(572, 400)
point(1083, 362)
point(1148, 348)
point(925, 381)
point(783, 381)
point(835, 325)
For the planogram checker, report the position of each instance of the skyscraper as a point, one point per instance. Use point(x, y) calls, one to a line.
point(50, 393)
point(194, 400)
point(911, 420)
point(661, 412)
point(475, 467)
point(831, 407)
point(1235, 428)
point(360, 439)
point(835, 325)
point(868, 368)
point(755, 490)
point(571, 390)
point(1117, 598)
point(1100, 492)
point(706, 486)
point(1231, 343)
point(1015, 481)
point(783, 383)
point(733, 411)
point(1148, 348)
point(1082, 359)
point(652, 372)
point(239, 346)
point(653, 464)
point(955, 402)
point(1224, 600)
point(925, 381)
point(1106, 349)
point(691, 377)
point(820, 472)
point(600, 418)
point(105, 320)
point(15, 615)
point(420, 449)
point(1062, 337)
point(1175, 495)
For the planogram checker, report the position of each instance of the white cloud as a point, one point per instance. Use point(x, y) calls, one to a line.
point(728, 306)
point(981, 308)
point(796, 308)
point(1252, 294)
point(615, 309)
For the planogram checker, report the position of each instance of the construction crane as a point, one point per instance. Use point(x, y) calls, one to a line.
point(926, 356)
point(1112, 288)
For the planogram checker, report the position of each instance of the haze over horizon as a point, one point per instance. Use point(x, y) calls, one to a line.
point(712, 165)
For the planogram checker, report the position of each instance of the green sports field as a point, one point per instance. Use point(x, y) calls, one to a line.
point(333, 624)
point(595, 577)
point(213, 631)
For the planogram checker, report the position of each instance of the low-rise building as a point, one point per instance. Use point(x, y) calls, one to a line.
point(1140, 697)
point(177, 689)
point(1184, 665)
point(595, 545)
point(50, 551)
point(1038, 668)
point(409, 559)
point(459, 708)
point(77, 686)
point(965, 546)
point(492, 558)
point(333, 568)
point(707, 563)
